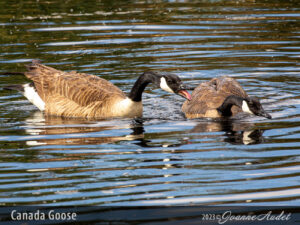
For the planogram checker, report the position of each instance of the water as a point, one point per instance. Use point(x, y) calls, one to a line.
point(161, 158)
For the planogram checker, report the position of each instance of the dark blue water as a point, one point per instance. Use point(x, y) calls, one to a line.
point(161, 158)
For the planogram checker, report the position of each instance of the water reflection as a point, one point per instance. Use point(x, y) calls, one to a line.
point(71, 131)
point(51, 130)
point(235, 131)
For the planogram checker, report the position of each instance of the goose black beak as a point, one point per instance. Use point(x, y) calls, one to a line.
point(265, 114)
point(184, 93)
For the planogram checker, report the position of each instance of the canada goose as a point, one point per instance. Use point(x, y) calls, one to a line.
point(221, 97)
point(72, 94)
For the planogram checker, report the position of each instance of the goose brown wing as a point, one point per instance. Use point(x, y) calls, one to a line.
point(81, 88)
point(204, 98)
point(226, 86)
point(211, 94)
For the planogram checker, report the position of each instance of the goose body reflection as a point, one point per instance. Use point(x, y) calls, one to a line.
point(59, 131)
point(72, 94)
point(221, 97)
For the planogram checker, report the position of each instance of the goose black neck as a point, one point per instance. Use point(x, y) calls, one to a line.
point(141, 83)
point(230, 101)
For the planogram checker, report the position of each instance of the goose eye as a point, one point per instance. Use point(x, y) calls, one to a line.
point(251, 103)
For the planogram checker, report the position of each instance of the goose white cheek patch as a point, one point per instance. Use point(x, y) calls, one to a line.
point(245, 107)
point(164, 85)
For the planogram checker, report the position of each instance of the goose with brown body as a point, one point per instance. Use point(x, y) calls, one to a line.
point(221, 97)
point(73, 94)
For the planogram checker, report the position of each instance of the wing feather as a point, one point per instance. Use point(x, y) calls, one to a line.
point(83, 89)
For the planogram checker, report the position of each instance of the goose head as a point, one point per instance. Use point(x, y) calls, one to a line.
point(173, 84)
point(253, 106)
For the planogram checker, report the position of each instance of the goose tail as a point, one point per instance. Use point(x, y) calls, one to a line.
point(30, 92)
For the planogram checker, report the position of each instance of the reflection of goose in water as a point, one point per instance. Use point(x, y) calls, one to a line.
point(221, 97)
point(245, 137)
point(52, 130)
point(236, 132)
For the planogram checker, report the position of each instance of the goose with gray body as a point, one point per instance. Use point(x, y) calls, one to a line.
point(221, 97)
point(73, 94)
